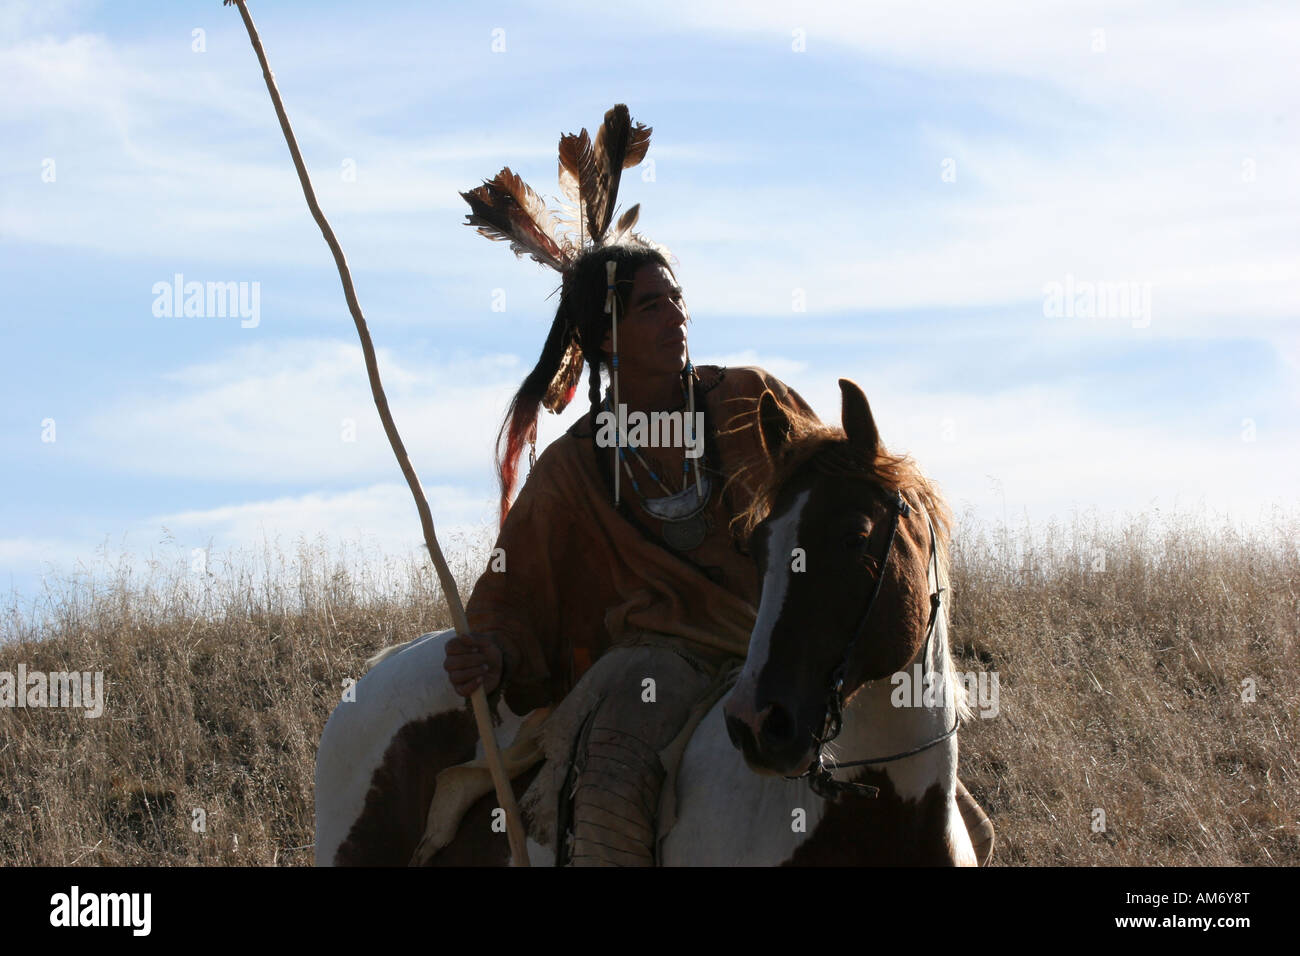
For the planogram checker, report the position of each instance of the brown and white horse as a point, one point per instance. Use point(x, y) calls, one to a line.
point(851, 546)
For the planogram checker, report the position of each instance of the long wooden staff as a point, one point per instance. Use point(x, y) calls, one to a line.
point(482, 717)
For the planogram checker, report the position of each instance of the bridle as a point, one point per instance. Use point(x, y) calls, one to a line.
point(819, 773)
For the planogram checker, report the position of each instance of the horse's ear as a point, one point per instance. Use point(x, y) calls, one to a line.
point(855, 416)
point(774, 423)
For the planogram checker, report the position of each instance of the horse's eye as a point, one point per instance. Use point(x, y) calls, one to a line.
point(856, 541)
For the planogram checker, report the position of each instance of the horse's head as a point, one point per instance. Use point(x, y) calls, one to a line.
point(826, 518)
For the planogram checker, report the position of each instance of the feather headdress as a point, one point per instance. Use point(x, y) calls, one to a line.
point(507, 209)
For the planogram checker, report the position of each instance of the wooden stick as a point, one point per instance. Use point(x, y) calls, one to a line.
point(482, 716)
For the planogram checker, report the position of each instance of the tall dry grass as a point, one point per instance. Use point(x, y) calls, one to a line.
point(1122, 652)
point(1121, 691)
point(219, 677)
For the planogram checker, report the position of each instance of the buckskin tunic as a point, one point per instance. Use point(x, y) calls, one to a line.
point(627, 639)
point(579, 576)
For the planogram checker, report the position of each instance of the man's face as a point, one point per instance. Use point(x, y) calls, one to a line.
point(652, 334)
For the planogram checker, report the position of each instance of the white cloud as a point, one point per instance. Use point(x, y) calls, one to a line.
point(277, 413)
point(374, 529)
point(1215, 59)
point(284, 412)
point(34, 552)
point(780, 366)
point(1039, 452)
point(137, 174)
point(383, 516)
point(22, 18)
point(1078, 185)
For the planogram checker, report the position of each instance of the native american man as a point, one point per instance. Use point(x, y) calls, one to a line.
point(656, 590)
point(624, 597)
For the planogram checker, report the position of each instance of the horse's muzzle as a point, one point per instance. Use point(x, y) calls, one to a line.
point(767, 736)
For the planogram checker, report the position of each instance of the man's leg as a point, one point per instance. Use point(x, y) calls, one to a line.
point(650, 691)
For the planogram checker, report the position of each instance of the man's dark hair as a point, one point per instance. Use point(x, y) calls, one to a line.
point(580, 319)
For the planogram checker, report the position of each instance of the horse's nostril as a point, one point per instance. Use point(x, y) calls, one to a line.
point(777, 727)
point(738, 731)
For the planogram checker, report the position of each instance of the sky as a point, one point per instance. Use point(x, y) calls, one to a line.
point(1055, 244)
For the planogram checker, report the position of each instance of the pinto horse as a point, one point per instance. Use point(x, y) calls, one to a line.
point(806, 762)
point(852, 544)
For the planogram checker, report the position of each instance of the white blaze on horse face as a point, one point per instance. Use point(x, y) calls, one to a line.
point(782, 539)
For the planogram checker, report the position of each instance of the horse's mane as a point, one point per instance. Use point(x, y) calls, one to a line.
point(825, 448)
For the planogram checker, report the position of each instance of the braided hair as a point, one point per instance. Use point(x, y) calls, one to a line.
point(580, 319)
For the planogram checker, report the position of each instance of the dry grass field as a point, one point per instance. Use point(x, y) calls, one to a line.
point(1121, 650)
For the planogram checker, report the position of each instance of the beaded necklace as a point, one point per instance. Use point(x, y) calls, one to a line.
point(684, 523)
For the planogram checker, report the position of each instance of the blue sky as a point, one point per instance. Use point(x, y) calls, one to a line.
point(917, 174)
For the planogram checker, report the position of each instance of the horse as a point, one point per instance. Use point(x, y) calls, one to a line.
point(807, 761)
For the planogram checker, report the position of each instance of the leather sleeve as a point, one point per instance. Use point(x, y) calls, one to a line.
point(516, 599)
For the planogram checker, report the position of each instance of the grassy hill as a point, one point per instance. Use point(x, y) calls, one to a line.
point(1120, 650)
